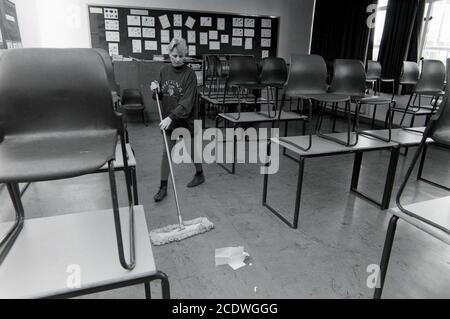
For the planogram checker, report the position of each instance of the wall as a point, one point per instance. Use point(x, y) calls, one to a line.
point(57, 23)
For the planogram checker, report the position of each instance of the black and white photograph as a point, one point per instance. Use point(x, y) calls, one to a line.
point(225, 158)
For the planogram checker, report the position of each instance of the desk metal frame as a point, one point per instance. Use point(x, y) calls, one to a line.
point(384, 204)
point(158, 275)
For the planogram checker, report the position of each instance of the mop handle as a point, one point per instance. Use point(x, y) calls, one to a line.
point(169, 155)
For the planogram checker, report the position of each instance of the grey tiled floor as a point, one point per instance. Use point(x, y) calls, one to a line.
point(338, 237)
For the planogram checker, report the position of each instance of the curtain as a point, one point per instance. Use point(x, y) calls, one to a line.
point(397, 38)
point(340, 29)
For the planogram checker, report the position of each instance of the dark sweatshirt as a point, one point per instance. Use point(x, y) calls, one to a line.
point(178, 95)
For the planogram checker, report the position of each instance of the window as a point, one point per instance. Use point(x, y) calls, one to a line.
point(379, 26)
point(435, 36)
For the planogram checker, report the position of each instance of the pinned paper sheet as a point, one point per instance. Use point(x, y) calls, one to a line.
point(165, 36)
point(214, 45)
point(190, 21)
point(224, 38)
point(232, 256)
point(203, 38)
point(248, 43)
point(177, 20)
point(177, 34)
point(113, 49)
point(191, 36)
point(213, 35)
point(112, 36)
point(111, 13)
point(151, 45)
point(134, 20)
point(220, 23)
point(148, 21)
point(137, 46)
point(148, 32)
point(192, 50)
point(112, 25)
point(164, 20)
point(134, 32)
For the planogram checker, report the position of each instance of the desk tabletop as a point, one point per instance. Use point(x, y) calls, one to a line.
point(259, 117)
point(37, 265)
point(436, 211)
point(400, 136)
point(322, 147)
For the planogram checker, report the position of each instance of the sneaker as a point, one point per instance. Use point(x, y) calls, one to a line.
point(197, 180)
point(162, 192)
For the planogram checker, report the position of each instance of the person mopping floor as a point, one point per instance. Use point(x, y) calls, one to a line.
point(177, 87)
point(179, 95)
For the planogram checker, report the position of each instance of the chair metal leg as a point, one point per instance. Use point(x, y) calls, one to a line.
point(386, 255)
point(349, 129)
point(117, 224)
point(8, 241)
point(406, 109)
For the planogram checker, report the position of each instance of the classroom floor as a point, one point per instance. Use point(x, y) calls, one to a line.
point(339, 234)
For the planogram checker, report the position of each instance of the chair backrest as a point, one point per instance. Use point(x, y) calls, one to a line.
point(410, 73)
point(54, 90)
point(349, 78)
point(307, 75)
point(273, 72)
point(440, 131)
point(211, 62)
point(373, 71)
point(109, 70)
point(132, 96)
point(432, 76)
point(243, 71)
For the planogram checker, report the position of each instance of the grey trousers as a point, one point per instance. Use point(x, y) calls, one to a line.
point(165, 168)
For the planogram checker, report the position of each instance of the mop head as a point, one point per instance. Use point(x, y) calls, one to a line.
point(173, 233)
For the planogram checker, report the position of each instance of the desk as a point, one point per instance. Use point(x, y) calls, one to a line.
point(252, 118)
point(437, 214)
point(322, 147)
point(404, 138)
point(37, 266)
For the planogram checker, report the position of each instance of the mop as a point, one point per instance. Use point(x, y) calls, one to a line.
point(184, 229)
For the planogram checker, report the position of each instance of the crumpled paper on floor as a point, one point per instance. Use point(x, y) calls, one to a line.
point(232, 256)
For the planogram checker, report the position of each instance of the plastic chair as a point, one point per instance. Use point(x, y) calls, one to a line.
point(431, 82)
point(273, 76)
point(348, 84)
point(57, 122)
point(132, 101)
point(439, 130)
point(373, 76)
point(243, 75)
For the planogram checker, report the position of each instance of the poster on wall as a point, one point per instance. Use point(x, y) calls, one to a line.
point(9, 26)
point(205, 32)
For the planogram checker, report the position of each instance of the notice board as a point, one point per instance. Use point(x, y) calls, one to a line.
point(142, 33)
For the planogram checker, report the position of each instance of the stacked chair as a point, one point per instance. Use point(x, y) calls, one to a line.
point(430, 83)
point(439, 130)
point(133, 101)
point(56, 122)
point(243, 77)
point(273, 76)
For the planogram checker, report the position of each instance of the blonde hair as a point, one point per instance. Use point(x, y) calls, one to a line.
point(178, 43)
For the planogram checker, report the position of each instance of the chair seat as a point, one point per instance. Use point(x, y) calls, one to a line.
point(442, 137)
point(428, 92)
point(133, 107)
point(418, 112)
point(374, 99)
point(328, 97)
point(31, 158)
